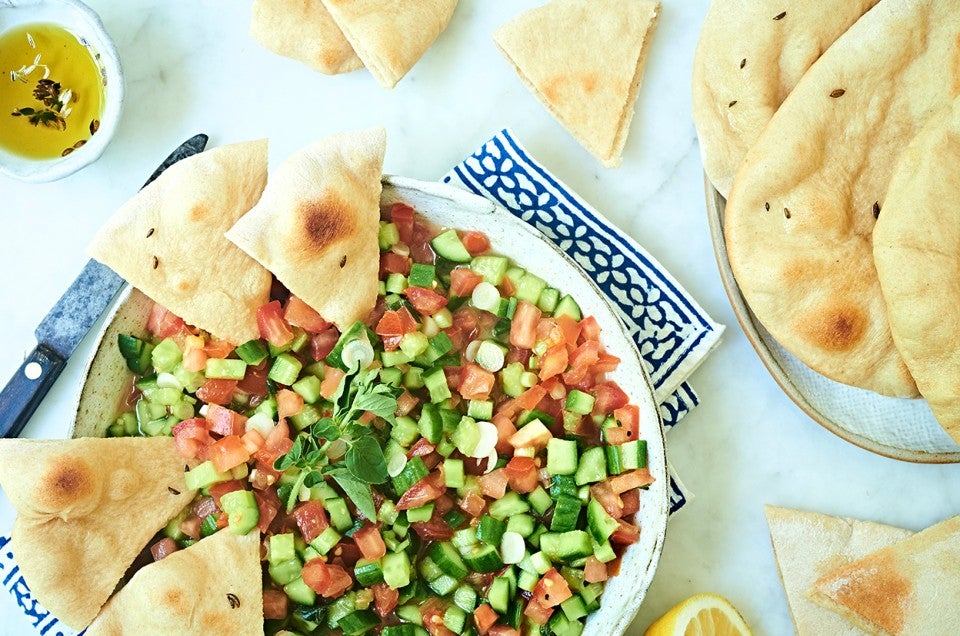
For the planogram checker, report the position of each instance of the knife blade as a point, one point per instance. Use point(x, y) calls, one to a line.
point(62, 330)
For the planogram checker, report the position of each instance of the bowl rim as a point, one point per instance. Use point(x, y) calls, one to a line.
point(472, 202)
point(96, 35)
point(750, 325)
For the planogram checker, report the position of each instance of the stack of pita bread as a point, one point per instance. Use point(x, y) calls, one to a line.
point(848, 577)
point(813, 114)
point(584, 60)
point(339, 36)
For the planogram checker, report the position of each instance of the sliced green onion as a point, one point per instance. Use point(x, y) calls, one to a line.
point(357, 354)
point(512, 547)
point(491, 356)
point(485, 296)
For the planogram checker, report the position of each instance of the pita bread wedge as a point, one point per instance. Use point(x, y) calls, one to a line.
point(584, 59)
point(390, 36)
point(909, 587)
point(85, 509)
point(303, 30)
point(804, 203)
point(739, 82)
point(916, 247)
point(213, 587)
point(168, 241)
point(807, 545)
point(316, 225)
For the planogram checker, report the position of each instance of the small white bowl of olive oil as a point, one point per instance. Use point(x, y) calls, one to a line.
point(61, 88)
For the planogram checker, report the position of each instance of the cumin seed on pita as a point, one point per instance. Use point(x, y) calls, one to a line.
point(584, 60)
point(316, 225)
point(212, 587)
point(303, 30)
point(85, 509)
point(390, 36)
point(168, 241)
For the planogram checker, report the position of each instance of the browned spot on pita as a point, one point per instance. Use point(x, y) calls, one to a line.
point(836, 327)
point(199, 212)
point(880, 594)
point(173, 599)
point(68, 481)
point(324, 222)
point(555, 87)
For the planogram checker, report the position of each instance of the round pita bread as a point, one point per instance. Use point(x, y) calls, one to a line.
point(739, 82)
point(916, 246)
point(802, 210)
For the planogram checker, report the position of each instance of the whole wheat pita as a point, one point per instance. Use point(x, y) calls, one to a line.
point(739, 82)
point(85, 509)
point(584, 60)
point(303, 30)
point(804, 203)
point(390, 36)
point(807, 545)
point(212, 587)
point(316, 225)
point(168, 241)
point(910, 587)
point(916, 247)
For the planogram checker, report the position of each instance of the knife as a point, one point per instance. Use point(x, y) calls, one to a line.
point(61, 331)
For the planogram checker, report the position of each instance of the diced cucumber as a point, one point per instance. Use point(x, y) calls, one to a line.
point(510, 504)
point(530, 287)
point(492, 268)
point(285, 369)
point(436, 382)
point(484, 558)
point(420, 514)
point(326, 541)
point(368, 573)
point(599, 522)
point(455, 619)
point(540, 500)
point(359, 622)
point(396, 569)
point(490, 530)
point(592, 467)
point(565, 514)
point(604, 552)
point(339, 513)
point(453, 473)
point(300, 592)
point(282, 548)
point(574, 608)
point(252, 352)
point(634, 454)
point(203, 476)
point(568, 307)
point(166, 355)
point(448, 559)
point(614, 459)
point(566, 546)
point(548, 300)
point(448, 245)
point(579, 402)
point(499, 594)
point(414, 471)
point(285, 572)
point(136, 352)
point(561, 456)
point(241, 506)
point(422, 275)
point(465, 598)
point(521, 524)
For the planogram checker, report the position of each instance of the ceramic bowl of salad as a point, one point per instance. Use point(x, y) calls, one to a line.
point(527, 483)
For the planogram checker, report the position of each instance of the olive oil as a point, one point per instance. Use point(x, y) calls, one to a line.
point(51, 91)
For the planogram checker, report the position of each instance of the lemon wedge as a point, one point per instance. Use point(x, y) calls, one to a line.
point(701, 615)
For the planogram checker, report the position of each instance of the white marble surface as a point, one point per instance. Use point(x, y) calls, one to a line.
point(191, 67)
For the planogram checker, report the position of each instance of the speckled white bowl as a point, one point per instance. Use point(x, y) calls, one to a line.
point(83, 22)
point(108, 379)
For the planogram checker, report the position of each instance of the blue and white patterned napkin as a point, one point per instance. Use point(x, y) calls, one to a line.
point(672, 332)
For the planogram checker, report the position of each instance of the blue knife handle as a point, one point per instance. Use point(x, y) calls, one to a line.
point(22, 395)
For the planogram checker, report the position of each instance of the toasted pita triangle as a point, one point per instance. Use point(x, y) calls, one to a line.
point(168, 241)
point(584, 60)
point(808, 545)
point(316, 225)
point(212, 587)
point(910, 587)
point(303, 30)
point(390, 36)
point(86, 508)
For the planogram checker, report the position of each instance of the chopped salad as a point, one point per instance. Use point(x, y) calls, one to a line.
point(458, 463)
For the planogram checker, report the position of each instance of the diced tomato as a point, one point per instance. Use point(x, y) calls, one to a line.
point(370, 542)
point(523, 327)
point(331, 381)
point(254, 381)
point(393, 325)
point(507, 288)
point(555, 388)
point(549, 333)
point(194, 354)
point(605, 364)
point(273, 326)
point(221, 488)
point(631, 480)
point(434, 530)
point(300, 314)
point(476, 383)
point(321, 344)
point(626, 534)
point(531, 397)
point(401, 215)
point(191, 526)
point(228, 453)
point(288, 403)
point(422, 492)
point(463, 280)
point(570, 328)
point(391, 263)
point(276, 604)
point(191, 438)
point(329, 581)
point(505, 430)
point(533, 434)
point(631, 502)
point(484, 618)
point(594, 571)
point(610, 500)
point(538, 613)
point(473, 504)
point(608, 398)
point(503, 630)
point(217, 391)
point(475, 242)
point(165, 324)
point(522, 474)
point(426, 301)
point(493, 484)
point(216, 348)
point(384, 599)
point(224, 421)
point(551, 590)
point(277, 443)
point(204, 507)
point(432, 613)
point(163, 547)
point(422, 448)
point(589, 328)
point(629, 418)
point(553, 362)
point(616, 435)
point(311, 519)
point(269, 505)
point(405, 403)
point(581, 361)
